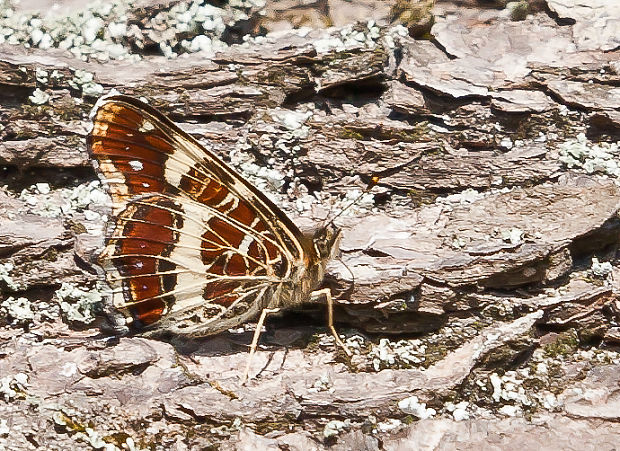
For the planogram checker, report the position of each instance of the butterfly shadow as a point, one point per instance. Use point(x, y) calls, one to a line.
point(291, 329)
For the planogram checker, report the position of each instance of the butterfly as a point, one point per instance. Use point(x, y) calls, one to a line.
point(192, 248)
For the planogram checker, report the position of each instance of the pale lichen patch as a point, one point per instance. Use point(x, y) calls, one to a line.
point(412, 406)
point(12, 386)
point(5, 277)
point(19, 309)
point(78, 305)
point(591, 157)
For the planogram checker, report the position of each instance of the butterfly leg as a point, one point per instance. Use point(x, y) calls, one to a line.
point(330, 316)
point(254, 345)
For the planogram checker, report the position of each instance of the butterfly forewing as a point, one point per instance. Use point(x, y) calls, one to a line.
point(191, 244)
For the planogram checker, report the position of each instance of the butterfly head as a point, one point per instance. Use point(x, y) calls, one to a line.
point(326, 241)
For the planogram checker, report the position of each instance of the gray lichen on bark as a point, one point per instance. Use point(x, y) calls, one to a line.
point(478, 280)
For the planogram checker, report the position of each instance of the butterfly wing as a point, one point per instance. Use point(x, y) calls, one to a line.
point(192, 247)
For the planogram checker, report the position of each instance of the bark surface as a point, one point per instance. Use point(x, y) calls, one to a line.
point(478, 282)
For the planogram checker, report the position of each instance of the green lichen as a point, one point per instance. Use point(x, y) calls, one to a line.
point(565, 344)
point(519, 10)
point(270, 426)
point(351, 61)
point(409, 419)
point(348, 133)
point(410, 135)
point(421, 197)
point(435, 352)
point(271, 76)
point(592, 335)
point(535, 384)
point(36, 112)
point(216, 385)
point(313, 343)
point(76, 227)
point(504, 357)
point(51, 255)
point(117, 438)
point(22, 135)
point(69, 423)
point(479, 325)
point(416, 15)
point(71, 113)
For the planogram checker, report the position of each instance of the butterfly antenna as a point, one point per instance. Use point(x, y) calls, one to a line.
point(373, 182)
point(352, 286)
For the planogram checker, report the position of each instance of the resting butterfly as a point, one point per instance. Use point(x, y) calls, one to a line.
point(192, 248)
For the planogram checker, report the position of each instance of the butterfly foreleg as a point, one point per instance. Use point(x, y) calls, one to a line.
point(254, 345)
point(314, 296)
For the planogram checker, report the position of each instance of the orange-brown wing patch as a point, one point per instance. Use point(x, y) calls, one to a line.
point(131, 153)
point(140, 152)
point(144, 235)
point(222, 292)
point(163, 257)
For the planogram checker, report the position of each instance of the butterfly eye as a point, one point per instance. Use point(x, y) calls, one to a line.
point(326, 240)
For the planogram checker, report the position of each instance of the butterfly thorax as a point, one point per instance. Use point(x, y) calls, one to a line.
point(321, 245)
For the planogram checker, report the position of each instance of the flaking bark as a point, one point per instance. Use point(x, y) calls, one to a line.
point(477, 218)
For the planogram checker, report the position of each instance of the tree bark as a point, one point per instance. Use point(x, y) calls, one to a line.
point(491, 236)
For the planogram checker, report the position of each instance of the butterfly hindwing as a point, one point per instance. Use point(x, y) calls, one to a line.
point(189, 238)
